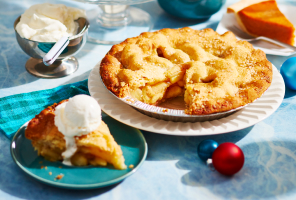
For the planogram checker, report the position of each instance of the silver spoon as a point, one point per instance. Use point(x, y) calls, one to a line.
point(55, 51)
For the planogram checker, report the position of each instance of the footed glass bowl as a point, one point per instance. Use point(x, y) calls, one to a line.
point(114, 21)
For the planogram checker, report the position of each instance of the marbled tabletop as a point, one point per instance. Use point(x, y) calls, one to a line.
point(172, 169)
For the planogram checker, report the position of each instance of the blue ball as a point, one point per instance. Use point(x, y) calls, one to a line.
point(288, 71)
point(206, 148)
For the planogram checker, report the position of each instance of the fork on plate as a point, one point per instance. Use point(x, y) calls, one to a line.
point(245, 36)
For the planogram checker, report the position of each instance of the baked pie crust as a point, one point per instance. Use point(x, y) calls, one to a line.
point(95, 148)
point(213, 72)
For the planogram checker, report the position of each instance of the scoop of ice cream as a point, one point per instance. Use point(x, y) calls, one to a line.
point(84, 112)
point(49, 22)
point(81, 115)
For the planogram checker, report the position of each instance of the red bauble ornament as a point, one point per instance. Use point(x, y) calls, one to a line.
point(228, 158)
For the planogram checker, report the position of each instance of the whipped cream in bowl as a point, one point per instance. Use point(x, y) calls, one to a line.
point(79, 116)
point(49, 22)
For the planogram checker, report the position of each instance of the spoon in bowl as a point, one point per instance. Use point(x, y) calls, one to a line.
point(55, 51)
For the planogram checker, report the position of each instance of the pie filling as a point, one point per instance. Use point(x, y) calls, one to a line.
point(265, 19)
point(87, 152)
point(212, 73)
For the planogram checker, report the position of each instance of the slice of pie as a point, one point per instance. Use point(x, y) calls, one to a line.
point(263, 18)
point(211, 72)
point(95, 148)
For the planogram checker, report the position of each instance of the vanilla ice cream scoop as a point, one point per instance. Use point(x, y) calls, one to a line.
point(79, 116)
point(49, 22)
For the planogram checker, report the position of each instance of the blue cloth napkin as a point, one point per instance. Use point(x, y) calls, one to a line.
point(17, 109)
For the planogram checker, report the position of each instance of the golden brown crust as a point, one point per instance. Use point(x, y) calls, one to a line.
point(214, 72)
point(45, 137)
point(40, 126)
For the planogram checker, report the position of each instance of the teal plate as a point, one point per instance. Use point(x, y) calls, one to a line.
point(131, 140)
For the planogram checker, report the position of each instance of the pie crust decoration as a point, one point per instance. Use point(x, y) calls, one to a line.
point(263, 18)
point(95, 148)
point(213, 72)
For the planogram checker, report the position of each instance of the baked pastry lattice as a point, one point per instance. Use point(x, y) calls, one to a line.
point(214, 72)
point(95, 148)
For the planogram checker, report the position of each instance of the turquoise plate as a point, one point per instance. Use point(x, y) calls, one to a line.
point(132, 143)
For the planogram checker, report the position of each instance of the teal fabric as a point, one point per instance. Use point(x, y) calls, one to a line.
point(17, 109)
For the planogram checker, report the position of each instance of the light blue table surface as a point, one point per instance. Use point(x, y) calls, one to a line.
point(172, 169)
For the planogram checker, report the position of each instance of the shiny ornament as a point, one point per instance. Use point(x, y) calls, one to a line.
point(206, 148)
point(288, 71)
point(228, 158)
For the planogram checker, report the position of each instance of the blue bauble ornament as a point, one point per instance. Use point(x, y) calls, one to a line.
point(288, 71)
point(206, 148)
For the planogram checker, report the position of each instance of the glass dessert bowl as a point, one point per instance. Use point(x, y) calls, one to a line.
point(116, 20)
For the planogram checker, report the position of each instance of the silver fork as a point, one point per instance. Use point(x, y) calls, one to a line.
point(245, 36)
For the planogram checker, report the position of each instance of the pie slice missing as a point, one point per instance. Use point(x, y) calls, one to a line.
point(211, 72)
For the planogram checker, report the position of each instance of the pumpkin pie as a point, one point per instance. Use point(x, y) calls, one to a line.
point(263, 18)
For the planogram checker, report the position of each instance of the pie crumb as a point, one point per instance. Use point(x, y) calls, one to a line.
point(131, 166)
point(130, 100)
point(59, 177)
point(50, 173)
point(42, 167)
point(165, 110)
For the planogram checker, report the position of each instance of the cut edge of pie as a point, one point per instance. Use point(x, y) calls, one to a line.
point(97, 148)
point(188, 60)
point(263, 18)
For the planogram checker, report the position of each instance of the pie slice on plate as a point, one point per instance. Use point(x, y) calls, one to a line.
point(263, 18)
point(95, 148)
